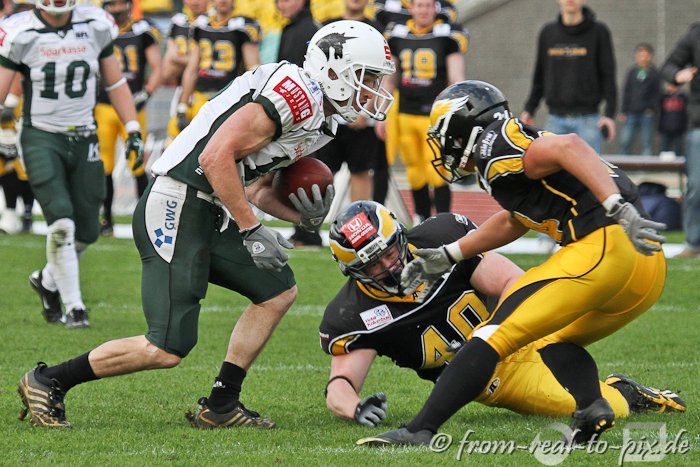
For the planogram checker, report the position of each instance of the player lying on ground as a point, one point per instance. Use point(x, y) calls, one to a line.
point(370, 316)
point(609, 270)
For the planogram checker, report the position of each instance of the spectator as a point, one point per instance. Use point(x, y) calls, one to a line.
point(682, 67)
point(575, 71)
point(673, 119)
point(640, 101)
point(399, 11)
point(297, 32)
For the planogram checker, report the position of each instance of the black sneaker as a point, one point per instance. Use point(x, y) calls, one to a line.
point(27, 223)
point(50, 301)
point(644, 398)
point(400, 437)
point(76, 318)
point(106, 228)
point(43, 399)
point(588, 424)
point(205, 418)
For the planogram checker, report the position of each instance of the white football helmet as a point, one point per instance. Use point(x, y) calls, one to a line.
point(352, 50)
point(56, 7)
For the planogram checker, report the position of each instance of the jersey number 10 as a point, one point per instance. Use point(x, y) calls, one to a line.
point(72, 89)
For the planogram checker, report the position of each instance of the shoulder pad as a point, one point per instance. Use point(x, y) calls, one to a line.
point(236, 23)
point(179, 19)
point(399, 30)
point(442, 29)
point(14, 24)
point(201, 21)
point(140, 27)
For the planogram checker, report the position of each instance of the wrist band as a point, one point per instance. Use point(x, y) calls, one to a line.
point(114, 86)
point(325, 392)
point(132, 126)
point(181, 108)
point(454, 252)
point(611, 201)
point(11, 100)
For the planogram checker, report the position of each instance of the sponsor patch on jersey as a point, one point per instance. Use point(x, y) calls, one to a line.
point(358, 229)
point(487, 144)
point(376, 317)
point(296, 99)
point(2, 35)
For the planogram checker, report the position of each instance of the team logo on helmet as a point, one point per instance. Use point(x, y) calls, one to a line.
point(443, 109)
point(336, 41)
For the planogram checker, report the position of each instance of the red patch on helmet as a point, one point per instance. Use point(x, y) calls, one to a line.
point(387, 52)
point(358, 229)
point(296, 98)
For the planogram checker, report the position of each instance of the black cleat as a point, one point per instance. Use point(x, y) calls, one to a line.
point(588, 424)
point(106, 228)
point(50, 301)
point(400, 437)
point(43, 399)
point(206, 418)
point(646, 399)
point(76, 318)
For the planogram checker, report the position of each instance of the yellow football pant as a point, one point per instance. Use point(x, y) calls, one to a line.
point(109, 127)
point(198, 100)
point(412, 131)
point(584, 292)
point(16, 164)
point(524, 384)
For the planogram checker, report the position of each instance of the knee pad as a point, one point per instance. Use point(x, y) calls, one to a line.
point(62, 232)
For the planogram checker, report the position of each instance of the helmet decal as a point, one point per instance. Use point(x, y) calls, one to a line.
point(444, 108)
point(358, 229)
point(336, 41)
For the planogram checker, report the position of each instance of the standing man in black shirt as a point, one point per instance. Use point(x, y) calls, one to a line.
point(575, 70)
point(298, 30)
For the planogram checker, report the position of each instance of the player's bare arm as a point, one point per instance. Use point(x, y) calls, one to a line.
point(251, 55)
point(495, 274)
point(173, 63)
point(263, 196)
point(455, 67)
point(155, 62)
point(342, 397)
point(189, 76)
point(6, 77)
point(120, 96)
point(248, 130)
point(498, 230)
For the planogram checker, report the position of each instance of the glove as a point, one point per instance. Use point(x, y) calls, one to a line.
point(265, 247)
point(134, 144)
point(640, 231)
point(140, 99)
point(371, 410)
point(7, 115)
point(8, 144)
point(181, 116)
point(312, 212)
point(430, 265)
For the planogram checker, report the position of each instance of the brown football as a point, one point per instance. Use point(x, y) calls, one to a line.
point(304, 173)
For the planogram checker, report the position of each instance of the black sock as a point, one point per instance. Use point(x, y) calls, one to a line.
point(421, 201)
point(460, 383)
point(71, 372)
point(227, 388)
point(575, 370)
point(442, 198)
point(11, 185)
point(109, 196)
point(141, 184)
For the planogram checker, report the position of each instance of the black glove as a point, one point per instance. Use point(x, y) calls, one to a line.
point(265, 247)
point(371, 410)
point(640, 231)
point(140, 99)
point(134, 143)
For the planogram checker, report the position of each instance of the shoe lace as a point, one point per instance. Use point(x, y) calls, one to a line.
point(56, 395)
point(247, 411)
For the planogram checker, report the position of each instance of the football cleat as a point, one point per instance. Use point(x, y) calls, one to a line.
point(206, 418)
point(50, 301)
point(645, 399)
point(106, 228)
point(43, 399)
point(76, 318)
point(588, 424)
point(400, 437)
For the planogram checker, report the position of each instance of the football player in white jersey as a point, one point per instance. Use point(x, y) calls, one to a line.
point(60, 50)
point(262, 121)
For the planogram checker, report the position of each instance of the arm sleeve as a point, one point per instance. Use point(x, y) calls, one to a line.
point(537, 89)
point(606, 70)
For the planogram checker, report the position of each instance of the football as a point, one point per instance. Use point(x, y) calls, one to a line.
point(304, 173)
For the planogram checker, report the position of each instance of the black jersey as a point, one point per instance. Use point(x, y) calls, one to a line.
point(423, 61)
point(221, 49)
point(130, 50)
point(414, 335)
point(397, 11)
point(558, 205)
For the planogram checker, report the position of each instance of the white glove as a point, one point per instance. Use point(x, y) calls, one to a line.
point(265, 247)
point(640, 231)
point(312, 212)
point(140, 99)
point(371, 410)
point(8, 143)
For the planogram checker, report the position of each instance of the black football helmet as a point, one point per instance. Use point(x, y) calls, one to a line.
point(360, 236)
point(458, 116)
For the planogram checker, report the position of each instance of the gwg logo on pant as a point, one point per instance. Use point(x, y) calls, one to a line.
point(162, 222)
point(161, 238)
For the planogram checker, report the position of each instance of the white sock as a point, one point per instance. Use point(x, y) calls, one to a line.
point(47, 280)
point(62, 262)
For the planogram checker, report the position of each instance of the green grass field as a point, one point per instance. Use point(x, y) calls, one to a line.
point(139, 419)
